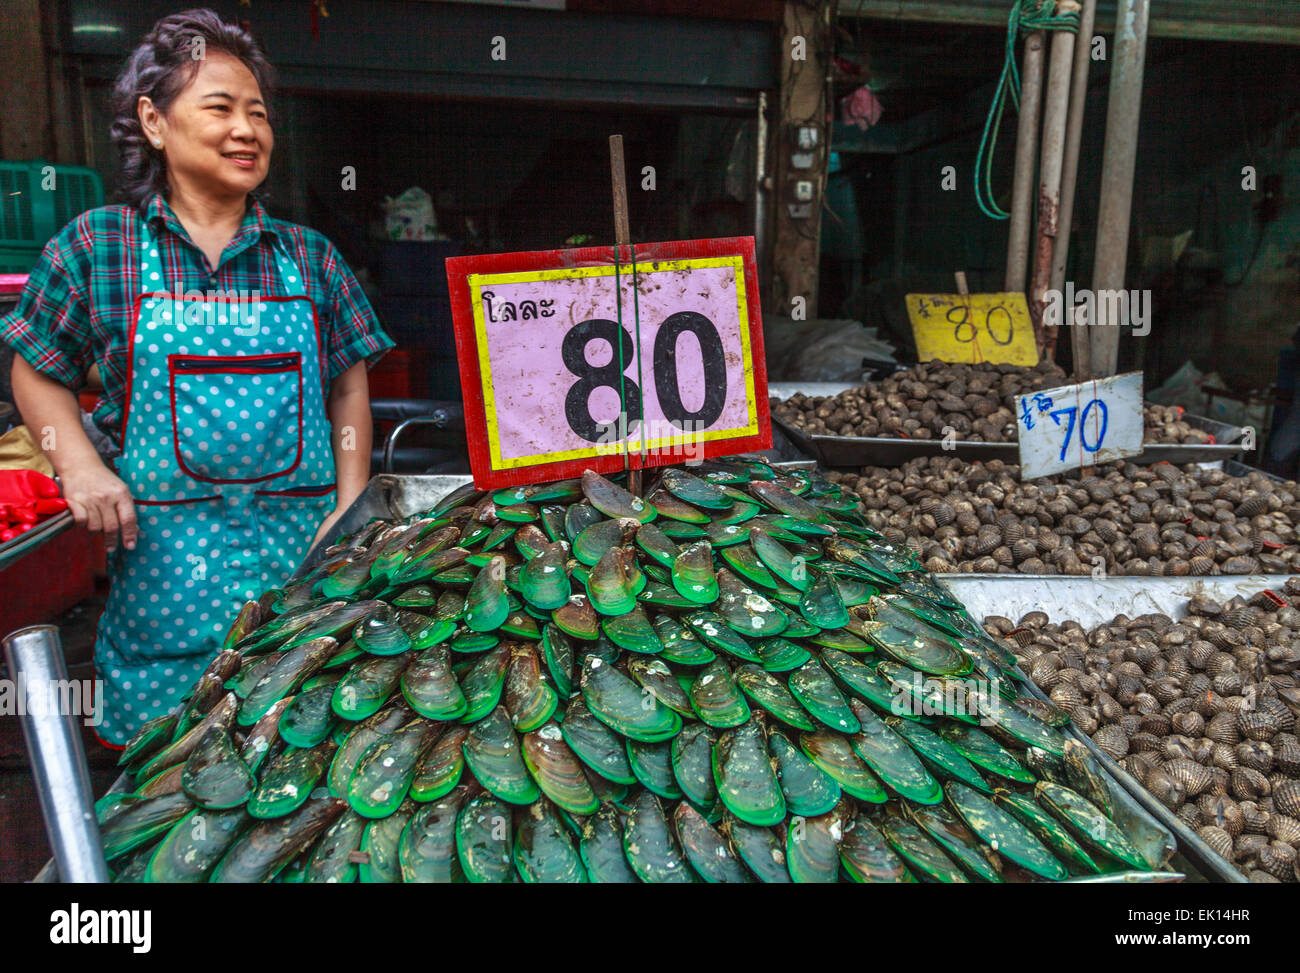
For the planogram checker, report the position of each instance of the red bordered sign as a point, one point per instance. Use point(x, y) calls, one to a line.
point(539, 338)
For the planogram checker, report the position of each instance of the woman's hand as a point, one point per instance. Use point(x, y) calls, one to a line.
point(96, 497)
point(101, 502)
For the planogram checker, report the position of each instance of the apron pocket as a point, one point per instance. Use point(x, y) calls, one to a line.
point(237, 418)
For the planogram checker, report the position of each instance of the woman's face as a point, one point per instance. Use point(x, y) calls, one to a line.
point(216, 135)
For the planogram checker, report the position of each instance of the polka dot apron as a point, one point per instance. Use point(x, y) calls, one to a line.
point(226, 451)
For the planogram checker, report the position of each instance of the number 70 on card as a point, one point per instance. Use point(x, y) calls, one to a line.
point(1077, 426)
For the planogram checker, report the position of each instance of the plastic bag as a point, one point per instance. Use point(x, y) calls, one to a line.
point(410, 216)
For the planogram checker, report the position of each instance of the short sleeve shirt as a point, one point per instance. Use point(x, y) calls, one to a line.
point(77, 307)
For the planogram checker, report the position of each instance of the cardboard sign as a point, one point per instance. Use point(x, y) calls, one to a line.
point(539, 342)
point(973, 328)
point(1076, 426)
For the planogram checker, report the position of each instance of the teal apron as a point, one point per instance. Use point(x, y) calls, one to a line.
point(226, 451)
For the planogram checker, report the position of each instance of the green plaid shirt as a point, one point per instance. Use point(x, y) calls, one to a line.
point(76, 309)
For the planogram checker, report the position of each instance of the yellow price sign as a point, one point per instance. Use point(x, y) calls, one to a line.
point(973, 328)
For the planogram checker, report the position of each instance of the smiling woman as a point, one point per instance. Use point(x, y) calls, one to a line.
point(243, 417)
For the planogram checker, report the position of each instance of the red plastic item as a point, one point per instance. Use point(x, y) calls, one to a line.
point(50, 578)
point(20, 486)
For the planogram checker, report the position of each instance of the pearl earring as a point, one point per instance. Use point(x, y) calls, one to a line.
point(157, 143)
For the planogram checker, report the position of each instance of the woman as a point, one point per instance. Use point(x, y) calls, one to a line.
point(232, 348)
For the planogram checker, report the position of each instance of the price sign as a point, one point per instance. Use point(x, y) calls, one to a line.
point(1082, 425)
point(540, 338)
point(973, 328)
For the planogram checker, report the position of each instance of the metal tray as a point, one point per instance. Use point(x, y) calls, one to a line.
point(1093, 602)
point(855, 451)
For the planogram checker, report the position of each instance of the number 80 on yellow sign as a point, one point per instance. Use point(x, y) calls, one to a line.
point(973, 328)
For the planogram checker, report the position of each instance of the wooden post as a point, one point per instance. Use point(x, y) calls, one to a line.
point(1119, 159)
point(1052, 156)
point(622, 238)
point(1022, 190)
point(802, 100)
point(1080, 344)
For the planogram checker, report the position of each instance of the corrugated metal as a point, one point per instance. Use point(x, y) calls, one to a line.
point(1216, 20)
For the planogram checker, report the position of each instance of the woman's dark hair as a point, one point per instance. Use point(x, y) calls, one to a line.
point(160, 68)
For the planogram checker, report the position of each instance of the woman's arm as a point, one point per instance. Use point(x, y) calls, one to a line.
point(349, 413)
point(95, 495)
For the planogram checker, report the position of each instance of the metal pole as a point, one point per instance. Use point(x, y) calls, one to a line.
point(1118, 162)
point(1049, 178)
point(1031, 97)
point(34, 656)
point(760, 177)
point(1080, 345)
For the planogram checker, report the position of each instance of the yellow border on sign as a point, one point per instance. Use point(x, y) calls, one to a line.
point(477, 282)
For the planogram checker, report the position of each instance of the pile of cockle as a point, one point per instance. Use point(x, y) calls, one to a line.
point(976, 402)
point(730, 679)
point(1120, 518)
point(1202, 711)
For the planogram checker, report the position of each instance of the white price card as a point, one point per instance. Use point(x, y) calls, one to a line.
point(1076, 426)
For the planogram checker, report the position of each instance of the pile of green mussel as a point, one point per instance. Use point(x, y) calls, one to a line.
point(730, 679)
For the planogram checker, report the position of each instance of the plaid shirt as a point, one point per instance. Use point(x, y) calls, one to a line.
point(76, 309)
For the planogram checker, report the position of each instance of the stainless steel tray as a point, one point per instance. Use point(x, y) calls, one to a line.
point(854, 451)
point(1092, 602)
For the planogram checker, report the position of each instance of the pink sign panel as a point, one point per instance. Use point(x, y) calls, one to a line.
point(541, 338)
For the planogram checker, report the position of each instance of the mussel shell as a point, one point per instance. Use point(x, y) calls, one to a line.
point(916, 848)
point(768, 692)
point(360, 739)
point(385, 771)
point(706, 849)
point(746, 611)
point(426, 849)
point(761, 849)
point(1003, 832)
point(816, 692)
point(379, 843)
point(938, 755)
point(680, 644)
point(483, 682)
point(984, 752)
point(528, 699)
point(716, 697)
point(284, 678)
point(601, 847)
point(834, 754)
point(194, 845)
point(1047, 829)
point(812, 847)
point(430, 687)
point(957, 840)
point(289, 779)
point(620, 704)
point(808, 790)
point(214, 777)
point(868, 857)
point(485, 840)
point(263, 850)
point(692, 764)
point(309, 716)
point(632, 632)
point(612, 500)
point(714, 632)
point(543, 581)
point(1088, 824)
point(745, 778)
point(892, 760)
point(494, 756)
point(650, 845)
point(543, 849)
point(365, 687)
point(557, 771)
point(331, 860)
point(656, 678)
point(440, 766)
point(486, 605)
point(653, 766)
